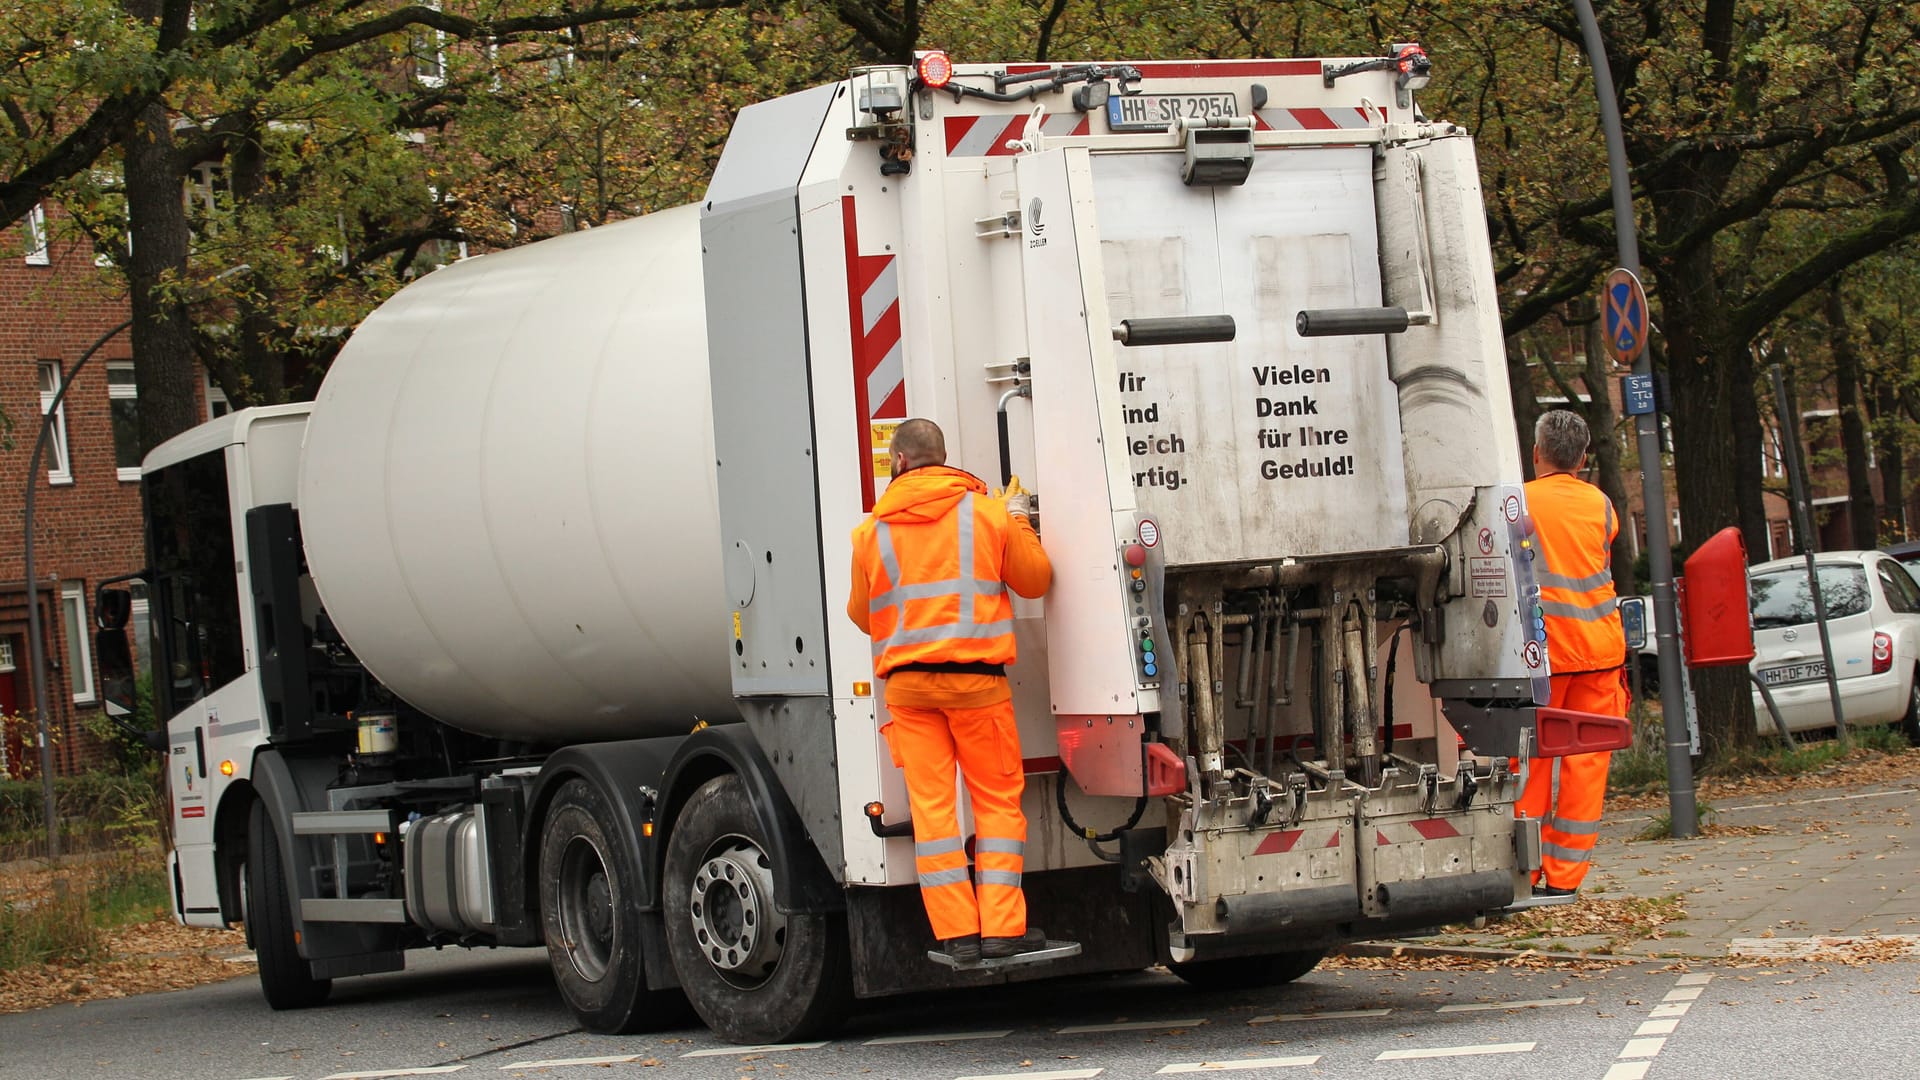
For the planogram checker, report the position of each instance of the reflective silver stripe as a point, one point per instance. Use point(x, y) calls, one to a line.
point(1550, 580)
point(1566, 853)
point(1575, 828)
point(928, 848)
point(966, 557)
point(932, 590)
point(1005, 847)
point(921, 635)
point(1000, 877)
point(889, 560)
point(1576, 611)
point(1607, 529)
point(943, 877)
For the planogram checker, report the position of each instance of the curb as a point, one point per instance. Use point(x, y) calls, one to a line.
point(1391, 949)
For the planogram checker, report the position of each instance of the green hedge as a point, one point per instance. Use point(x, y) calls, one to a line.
point(101, 803)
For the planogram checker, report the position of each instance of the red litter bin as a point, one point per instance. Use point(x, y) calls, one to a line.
point(1714, 609)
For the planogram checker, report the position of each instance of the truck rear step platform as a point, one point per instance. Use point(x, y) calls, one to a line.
point(1055, 950)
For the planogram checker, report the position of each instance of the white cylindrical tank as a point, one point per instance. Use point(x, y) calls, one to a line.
point(507, 491)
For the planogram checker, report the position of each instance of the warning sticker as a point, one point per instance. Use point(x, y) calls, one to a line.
point(1488, 577)
point(1511, 508)
point(882, 432)
point(1486, 541)
point(1533, 654)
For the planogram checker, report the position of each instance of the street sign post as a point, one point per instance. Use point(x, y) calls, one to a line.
point(1623, 307)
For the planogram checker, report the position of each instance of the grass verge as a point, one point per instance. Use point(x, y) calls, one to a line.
point(64, 915)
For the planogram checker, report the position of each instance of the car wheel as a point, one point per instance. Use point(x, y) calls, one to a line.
point(1910, 723)
point(755, 974)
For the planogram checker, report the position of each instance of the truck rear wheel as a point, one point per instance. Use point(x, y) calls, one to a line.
point(286, 979)
point(1248, 972)
point(587, 908)
point(753, 973)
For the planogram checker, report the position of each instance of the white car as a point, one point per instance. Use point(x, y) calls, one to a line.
point(1873, 619)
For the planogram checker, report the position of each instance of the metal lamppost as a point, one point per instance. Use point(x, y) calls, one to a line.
point(36, 643)
point(1682, 812)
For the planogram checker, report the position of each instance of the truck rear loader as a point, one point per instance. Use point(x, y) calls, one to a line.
point(530, 628)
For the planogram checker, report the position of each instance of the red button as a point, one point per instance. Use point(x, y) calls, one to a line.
point(1136, 555)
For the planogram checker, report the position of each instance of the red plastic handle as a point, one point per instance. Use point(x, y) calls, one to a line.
point(1559, 732)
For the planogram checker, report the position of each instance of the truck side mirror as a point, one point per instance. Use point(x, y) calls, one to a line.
point(1633, 621)
point(112, 608)
point(115, 661)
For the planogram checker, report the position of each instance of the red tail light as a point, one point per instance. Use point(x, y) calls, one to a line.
point(1882, 653)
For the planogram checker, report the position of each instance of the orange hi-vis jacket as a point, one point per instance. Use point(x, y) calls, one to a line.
point(931, 569)
point(1575, 525)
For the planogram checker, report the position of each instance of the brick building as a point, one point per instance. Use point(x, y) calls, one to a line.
point(55, 303)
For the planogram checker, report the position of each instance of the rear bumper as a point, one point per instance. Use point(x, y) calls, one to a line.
point(1866, 699)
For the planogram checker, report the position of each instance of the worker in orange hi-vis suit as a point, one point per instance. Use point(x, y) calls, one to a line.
point(931, 570)
point(1575, 526)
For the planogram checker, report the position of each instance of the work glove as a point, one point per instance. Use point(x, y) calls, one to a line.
point(1019, 500)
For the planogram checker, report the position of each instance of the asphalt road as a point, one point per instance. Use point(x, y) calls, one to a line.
point(495, 1014)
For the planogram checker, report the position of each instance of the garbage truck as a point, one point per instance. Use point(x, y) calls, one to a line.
point(530, 628)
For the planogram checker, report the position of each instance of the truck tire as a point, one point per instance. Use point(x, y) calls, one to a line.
point(591, 923)
point(286, 979)
point(753, 973)
point(1248, 972)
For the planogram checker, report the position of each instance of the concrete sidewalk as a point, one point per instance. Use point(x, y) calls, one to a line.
point(1810, 872)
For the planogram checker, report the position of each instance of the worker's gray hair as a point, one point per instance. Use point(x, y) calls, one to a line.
point(1561, 437)
point(921, 442)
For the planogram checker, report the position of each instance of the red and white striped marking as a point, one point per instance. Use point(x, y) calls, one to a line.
point(879, 367)
point(1333, 118)
point(1308, 839)
point(999, 135)
point(1412, 832)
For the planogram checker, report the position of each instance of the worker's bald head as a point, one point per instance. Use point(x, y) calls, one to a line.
point(917, 443)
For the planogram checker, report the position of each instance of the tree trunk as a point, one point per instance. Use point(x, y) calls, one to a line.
point(1526, 404)
point(1606, 456)
point(260, 362)
point(1709, 379)
point(1892, 460)
point(162, 333)
point(1862, 523)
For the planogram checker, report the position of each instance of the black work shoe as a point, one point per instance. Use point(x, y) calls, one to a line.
point(1553, 890)
point(963, 950)
point(994, 948)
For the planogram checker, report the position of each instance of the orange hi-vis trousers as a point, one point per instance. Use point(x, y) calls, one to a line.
point(1570, 817)
point(926, 743)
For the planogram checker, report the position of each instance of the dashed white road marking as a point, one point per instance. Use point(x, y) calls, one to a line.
point(1058, 1074)
point(1055, 1075)
point(1644, 1048)
point(1233, 1066)
point(950, 1036)
point(1455, 1051)
point(1496, 1006)
point(383, 1073)
point(1348, 1014)
point(1658, 1027)
point(558, 1063)
point(1131, 1025)
point(728, 1051)
point(1636, 1058)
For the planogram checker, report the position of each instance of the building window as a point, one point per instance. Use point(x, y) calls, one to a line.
point(427, 47)
point(217, 404)
point(124, 404)
point(59, 471)
point(1676, 528)
point(73, 612)
point(38, 252)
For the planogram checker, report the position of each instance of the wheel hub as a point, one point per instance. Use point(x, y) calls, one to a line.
point(735, 923)
point(586, 909)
